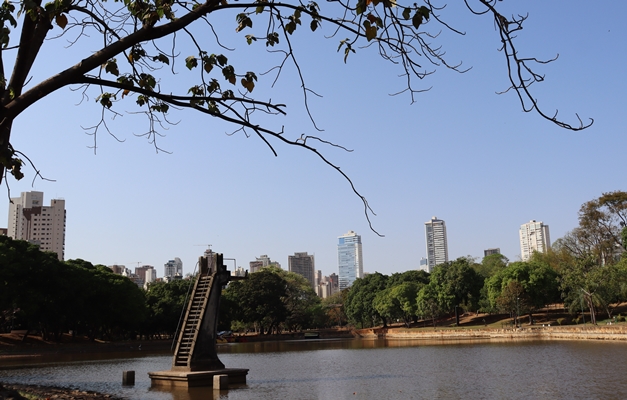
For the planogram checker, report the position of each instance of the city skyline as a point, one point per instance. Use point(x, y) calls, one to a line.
point(457, 150)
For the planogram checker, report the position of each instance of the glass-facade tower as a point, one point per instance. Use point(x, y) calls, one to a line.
point(350, 261)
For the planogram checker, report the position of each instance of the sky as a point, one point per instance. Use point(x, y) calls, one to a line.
point(460, 151)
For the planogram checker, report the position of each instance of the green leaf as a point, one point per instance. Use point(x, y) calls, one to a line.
point(162, 58)
point(406, 13)
point(361, 7)
point(314, 25)
point(424, 11)
point(191, 62)
point(250, 39)
point(105, 99)
point(141, 100)
point(222, 60)
point(213, 86)
point(347, 51)
point(147, 81)
point(290, 27)
point(272, 39)
point(160, 107)
point(243, 22)
point(111, 67)
point(229, 73)
point(416, 21)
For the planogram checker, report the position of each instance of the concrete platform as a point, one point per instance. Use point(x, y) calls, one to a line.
point(165, 379)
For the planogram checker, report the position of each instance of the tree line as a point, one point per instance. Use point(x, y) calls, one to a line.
point(586, 270)
point(39, 293)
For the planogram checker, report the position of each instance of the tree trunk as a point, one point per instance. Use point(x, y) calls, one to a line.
point(5, 151)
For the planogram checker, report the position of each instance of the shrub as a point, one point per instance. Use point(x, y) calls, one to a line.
point(561, 321)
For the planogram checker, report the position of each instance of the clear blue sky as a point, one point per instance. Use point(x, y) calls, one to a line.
point(460, 152)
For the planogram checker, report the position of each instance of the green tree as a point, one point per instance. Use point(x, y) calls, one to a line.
point(457, 284)
point(491, 264)
point(584, 281)
point(386, 306)
point(260, 300)
point(51, 296)
point(359, 304)
point(166, 301)
point(523, 287)
point(601, 224)
point(430, 302)
point(301, 302)
point(418, 276)
point(334, 307)
point(32, 286)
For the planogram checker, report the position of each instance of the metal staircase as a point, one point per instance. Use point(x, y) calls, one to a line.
point(192, 322)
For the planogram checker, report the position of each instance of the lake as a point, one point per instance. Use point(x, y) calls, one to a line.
point(368, 369)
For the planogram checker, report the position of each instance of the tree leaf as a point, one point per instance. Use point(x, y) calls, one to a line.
point(61, 20)
point(416, 21)
point(111, 67)
point(371, 32)
point(162, 58)
point(222, 60)
point(191, 62)
point(406, 13)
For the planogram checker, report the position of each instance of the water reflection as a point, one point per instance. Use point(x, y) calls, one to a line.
point(370, 369)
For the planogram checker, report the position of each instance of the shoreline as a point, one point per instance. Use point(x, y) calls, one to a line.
point(18, 351)
point(534, 332)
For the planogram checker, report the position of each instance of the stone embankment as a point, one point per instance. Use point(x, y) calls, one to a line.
point(590, 332)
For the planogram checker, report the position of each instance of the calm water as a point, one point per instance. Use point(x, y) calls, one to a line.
point(356, 369)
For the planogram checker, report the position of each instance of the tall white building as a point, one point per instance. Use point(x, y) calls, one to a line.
point(349, 258)
point(42, 225)
point(534, 236)
point(437, 246)
point(173, 268)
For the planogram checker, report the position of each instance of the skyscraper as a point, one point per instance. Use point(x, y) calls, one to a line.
point(173, 268)
point(303, 264)
point(43, 226)
point(534, 236)
point(437, 246)
point(349, 258)
point(261, 262)
point(489, 252)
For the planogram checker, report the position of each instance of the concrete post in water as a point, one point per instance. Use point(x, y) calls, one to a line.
point(128, 378)
point(220, 382)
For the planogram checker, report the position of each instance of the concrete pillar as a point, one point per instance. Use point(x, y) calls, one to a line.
point(128, 378)
point(220, 382)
